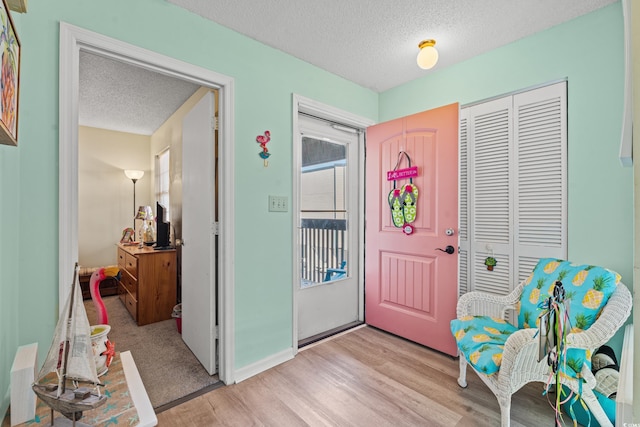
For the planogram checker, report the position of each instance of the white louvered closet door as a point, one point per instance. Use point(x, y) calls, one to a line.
point(540, 118)
point(513, 196)
point(491, 231)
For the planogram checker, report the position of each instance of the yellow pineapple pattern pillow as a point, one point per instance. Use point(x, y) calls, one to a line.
point(587, 290)
point(481, 339)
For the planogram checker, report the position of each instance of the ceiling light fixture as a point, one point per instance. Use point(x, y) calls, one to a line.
point(428, 55)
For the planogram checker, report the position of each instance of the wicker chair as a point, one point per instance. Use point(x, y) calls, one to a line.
point(520, 357)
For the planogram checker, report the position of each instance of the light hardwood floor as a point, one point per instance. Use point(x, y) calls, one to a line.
point(364, 377)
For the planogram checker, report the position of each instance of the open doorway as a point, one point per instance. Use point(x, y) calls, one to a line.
point(74, 40)
point(140, 316)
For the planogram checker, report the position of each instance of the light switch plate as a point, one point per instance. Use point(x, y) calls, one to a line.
point(278, 204)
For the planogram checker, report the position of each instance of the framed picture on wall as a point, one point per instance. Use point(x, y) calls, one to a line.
point(9, 77)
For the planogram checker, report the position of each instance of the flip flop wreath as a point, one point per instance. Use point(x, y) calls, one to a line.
point(403, 201)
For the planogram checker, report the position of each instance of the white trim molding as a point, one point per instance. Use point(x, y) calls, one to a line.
point(264, 364)
point(73, 40)
point(626, 138)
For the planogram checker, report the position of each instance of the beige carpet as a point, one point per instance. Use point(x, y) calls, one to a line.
point(167, 367)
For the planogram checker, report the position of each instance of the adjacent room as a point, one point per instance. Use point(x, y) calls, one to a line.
point(300, 213)
point(130, 163)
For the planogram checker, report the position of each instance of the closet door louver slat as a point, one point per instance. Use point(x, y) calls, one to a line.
point(494, 282)
point(463, 191)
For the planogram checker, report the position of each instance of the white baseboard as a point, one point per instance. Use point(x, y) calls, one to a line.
point(264, 364)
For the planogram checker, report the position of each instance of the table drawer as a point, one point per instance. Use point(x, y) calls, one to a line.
point(129, 282)
point(122, 293)
point(132, 306)
point(131, 264)
point(122, 263)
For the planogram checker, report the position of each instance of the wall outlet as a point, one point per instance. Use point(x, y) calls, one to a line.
point(278, 204)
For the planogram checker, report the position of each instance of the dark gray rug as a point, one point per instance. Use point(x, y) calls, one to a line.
point(167, 367)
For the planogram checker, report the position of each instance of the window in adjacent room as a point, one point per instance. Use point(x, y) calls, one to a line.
point(162, 181)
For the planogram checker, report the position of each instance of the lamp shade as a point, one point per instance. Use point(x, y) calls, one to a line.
point(144, 212)
point(133, 174)
point(428, 55)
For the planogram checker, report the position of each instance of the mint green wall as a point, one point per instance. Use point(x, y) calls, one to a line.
point(264, 82)
point(9, 244)
point(600, 228)
point(588, 51)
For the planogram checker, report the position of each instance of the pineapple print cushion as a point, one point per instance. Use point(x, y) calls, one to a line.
point(481, 339)
point(587, 290)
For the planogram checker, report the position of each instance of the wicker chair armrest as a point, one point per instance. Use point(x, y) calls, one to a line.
point(613, 316)
point(520, 359)
point(485, 304)
point(520, 352)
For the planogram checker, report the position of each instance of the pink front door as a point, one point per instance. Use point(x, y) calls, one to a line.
point(410, 285)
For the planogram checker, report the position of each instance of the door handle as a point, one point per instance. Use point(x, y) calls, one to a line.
point(449, 249)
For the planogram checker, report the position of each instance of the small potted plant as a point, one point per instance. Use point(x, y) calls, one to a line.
point(490, 262)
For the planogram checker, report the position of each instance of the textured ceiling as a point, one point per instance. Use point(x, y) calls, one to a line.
point(373, 43)
point(122, 97)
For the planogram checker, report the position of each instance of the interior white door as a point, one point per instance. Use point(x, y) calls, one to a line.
point(328, 295)
point(198, 232)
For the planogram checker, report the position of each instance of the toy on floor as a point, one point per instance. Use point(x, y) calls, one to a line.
point(94, 286)
point(103, 349)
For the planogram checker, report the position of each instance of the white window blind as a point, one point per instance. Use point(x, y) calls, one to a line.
point(513, 186)
point(162, 181)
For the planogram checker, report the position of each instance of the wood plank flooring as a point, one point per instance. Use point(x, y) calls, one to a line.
point(364, 377)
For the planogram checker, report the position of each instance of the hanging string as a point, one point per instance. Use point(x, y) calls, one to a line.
point(558, 314)
point(400, 154)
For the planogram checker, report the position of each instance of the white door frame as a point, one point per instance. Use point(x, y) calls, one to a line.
point(74, 39)
point(318, 109)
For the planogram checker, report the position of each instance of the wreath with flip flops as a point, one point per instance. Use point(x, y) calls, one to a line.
point(403, 200)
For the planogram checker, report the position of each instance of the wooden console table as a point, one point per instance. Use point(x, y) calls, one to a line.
point(148, 283)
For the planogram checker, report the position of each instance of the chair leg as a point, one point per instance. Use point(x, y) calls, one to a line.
point(594, 406)
point(505, 412)
point(462, 379)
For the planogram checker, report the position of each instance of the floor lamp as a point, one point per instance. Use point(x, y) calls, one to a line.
point(134, 176)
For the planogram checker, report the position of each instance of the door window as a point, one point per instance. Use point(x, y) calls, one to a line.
point(323, 211)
